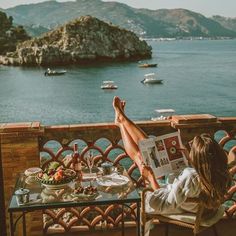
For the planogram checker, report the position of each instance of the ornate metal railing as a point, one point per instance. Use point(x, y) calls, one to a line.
point(58, 147)
point(31, 144)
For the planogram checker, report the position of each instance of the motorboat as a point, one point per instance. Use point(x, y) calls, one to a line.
point(50, 72)
point(151, 79)
point(163, 114)
point(146, 65)
point(109, 84)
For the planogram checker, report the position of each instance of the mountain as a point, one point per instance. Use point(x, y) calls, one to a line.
point(144, 22)
point(35, 30)
point(228, 23)
point(83, 40)
point(188, 23)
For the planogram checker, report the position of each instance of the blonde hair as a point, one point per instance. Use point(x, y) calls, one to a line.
point(210, 162)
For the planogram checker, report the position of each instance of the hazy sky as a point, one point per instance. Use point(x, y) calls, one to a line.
point(206, 7)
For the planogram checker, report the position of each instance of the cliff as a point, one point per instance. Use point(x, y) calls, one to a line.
point(82, 40)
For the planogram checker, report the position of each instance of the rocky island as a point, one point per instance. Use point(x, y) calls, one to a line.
point(82, 40)
point(10, 34)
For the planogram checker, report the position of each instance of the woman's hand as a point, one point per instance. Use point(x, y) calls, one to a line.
point(185, 151)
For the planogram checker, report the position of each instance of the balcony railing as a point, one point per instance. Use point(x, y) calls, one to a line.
point(24, 145)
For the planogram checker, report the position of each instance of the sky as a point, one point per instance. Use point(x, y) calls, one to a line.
point(225, 8)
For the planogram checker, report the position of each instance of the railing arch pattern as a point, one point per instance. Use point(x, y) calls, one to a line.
point(104, 149)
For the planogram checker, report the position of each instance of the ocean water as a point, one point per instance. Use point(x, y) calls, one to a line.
point(198, 77)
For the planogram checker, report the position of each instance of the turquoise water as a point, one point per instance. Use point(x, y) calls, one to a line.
point(198, 77)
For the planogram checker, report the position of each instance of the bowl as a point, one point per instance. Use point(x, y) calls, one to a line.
point(53, 184)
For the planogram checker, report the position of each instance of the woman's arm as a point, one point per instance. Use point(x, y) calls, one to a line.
point(168, 199)
point(148, 174)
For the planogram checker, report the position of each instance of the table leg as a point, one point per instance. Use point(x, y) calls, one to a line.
point(24, 224)
point(122, 222)
point(11, 225)
point(138, 219)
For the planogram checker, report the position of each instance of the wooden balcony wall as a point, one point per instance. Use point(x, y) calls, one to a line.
point(22, 143)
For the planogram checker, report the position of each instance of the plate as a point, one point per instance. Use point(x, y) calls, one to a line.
point(83, 196)
point(33, 171)
point(113, 180)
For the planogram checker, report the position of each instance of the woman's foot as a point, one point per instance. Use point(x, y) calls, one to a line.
point(118, 106)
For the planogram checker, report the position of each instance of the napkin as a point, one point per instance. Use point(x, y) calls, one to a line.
point(113, 179)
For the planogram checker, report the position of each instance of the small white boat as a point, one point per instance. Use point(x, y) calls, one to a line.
point(50, 72)
point(162, 114)
point(151, 79)
point(146, 65)
point(109, 84)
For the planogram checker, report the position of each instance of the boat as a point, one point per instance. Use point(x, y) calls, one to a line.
point(109, 84)
point(146, 65)
point(50, 72)
point(163, 114)
point(151, 79)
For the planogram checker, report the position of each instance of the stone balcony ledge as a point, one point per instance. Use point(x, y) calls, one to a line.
point(178, 121)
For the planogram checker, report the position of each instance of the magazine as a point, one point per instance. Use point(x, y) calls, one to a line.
point(162, 154)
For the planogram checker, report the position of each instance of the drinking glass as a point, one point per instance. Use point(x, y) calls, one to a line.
point(90, 161)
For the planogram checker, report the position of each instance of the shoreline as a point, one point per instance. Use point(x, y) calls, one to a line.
point(186, 38)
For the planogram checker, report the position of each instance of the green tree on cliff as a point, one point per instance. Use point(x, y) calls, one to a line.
point(10, 35)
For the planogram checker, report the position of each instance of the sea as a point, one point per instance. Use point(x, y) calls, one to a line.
point(199, 76)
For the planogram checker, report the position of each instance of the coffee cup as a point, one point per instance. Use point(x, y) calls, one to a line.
point(107, 168)
point(22, 196)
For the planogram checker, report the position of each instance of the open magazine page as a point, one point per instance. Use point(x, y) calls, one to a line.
point(162, 155)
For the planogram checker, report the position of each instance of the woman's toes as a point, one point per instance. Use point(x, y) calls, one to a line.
point(123, 104)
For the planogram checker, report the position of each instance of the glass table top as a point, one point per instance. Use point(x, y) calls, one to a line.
point(41, 197)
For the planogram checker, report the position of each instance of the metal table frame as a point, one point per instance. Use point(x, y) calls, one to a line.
point(42, 206)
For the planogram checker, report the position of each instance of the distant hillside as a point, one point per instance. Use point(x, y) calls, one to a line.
point(188, 23)
point(148, 23)
point(83, 40)
point(35, 30)
point(228, 23)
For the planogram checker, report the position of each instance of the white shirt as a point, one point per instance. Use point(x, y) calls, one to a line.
point(171, 198)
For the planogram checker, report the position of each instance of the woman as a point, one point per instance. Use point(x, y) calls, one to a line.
point(207, 177)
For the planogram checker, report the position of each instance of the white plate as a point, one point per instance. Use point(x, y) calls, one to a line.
point(83, 196)
point(33, 171)
point(113, 180)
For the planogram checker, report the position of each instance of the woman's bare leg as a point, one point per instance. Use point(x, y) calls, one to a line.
point(121, 119)
point(130, 133)
point(131, 147)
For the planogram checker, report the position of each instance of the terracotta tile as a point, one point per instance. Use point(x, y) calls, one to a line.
point(14, 127)
point(198, 118)
point(35, 125)
point(58, 127)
